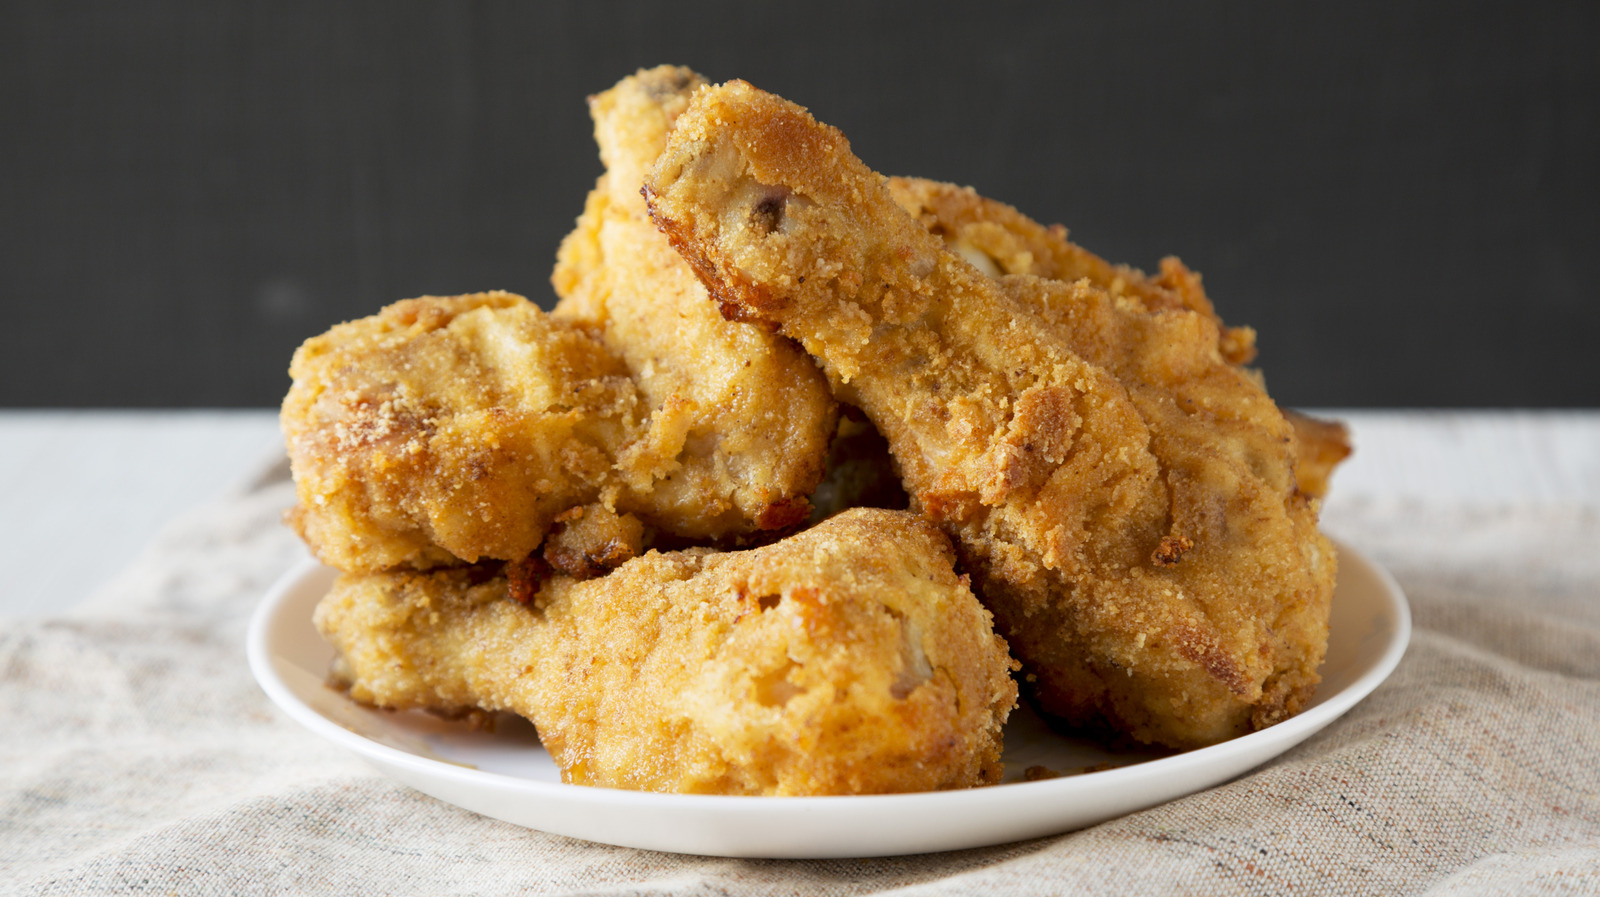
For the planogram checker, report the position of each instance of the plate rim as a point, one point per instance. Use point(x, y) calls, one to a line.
point(1239, 754)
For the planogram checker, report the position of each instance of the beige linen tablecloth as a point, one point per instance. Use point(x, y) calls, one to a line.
point(138, 756)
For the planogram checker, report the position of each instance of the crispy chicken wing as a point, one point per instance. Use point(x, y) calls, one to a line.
point(848, 659)
point(739, 418)
point(1123, 493)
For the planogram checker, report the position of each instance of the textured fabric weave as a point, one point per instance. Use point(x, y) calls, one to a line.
point(138, 756)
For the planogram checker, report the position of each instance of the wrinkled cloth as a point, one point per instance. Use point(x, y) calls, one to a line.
point(137, 754)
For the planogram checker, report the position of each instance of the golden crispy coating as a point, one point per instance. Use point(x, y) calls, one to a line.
point(739, 418)
point(1122, 492)
point(848, 659)
point(998, 240)
point(1322, 445)
point(451, 427)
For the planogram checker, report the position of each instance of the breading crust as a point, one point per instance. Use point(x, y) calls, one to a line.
point(446, 428)
point(848, 659)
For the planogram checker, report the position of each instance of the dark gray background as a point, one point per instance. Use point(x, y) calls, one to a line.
point(1401, 197)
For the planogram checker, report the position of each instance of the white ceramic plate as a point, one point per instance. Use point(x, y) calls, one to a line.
point(507, 774)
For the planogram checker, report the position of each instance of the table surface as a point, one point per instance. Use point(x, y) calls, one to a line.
point(82, 492)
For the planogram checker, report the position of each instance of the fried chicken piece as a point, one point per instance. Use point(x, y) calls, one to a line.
point(739, 418)
point(848, 659)
point(457, 428)
point(999, 240)
point(1123, 494)
point(447, 428)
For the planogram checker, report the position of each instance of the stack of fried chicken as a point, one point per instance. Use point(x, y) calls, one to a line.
point(800, 459)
